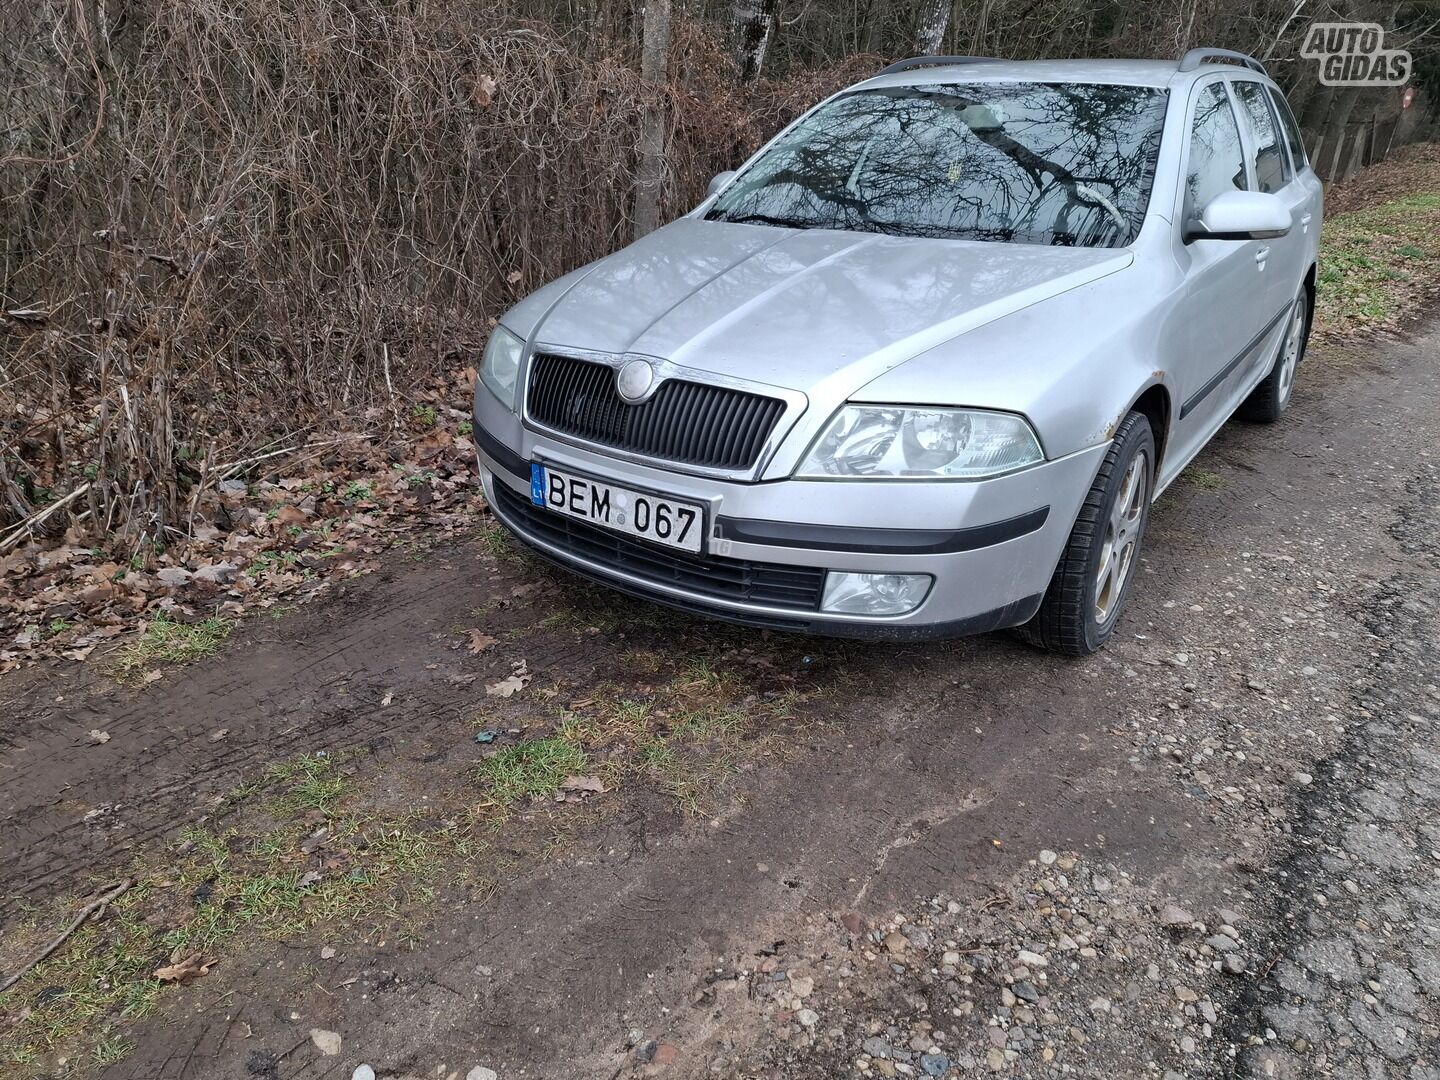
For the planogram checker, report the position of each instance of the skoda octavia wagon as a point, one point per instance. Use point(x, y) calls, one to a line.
point(921, 365)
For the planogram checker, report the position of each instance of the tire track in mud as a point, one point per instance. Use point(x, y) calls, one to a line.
point(280, 689)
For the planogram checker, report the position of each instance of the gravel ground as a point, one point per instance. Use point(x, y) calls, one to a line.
point(1316, 777)
point(1355, 991)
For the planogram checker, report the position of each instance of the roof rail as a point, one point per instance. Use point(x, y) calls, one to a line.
point(1195, 57)
point(935, 61)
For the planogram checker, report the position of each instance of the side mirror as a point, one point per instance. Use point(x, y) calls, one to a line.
point(721, 179)
point(1241, 215)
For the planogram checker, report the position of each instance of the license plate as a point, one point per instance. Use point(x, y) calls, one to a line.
point(650, 517)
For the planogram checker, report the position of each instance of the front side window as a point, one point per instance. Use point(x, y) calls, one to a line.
point(1216, 160)
point(1272, 167)
point(1291, 129)
point(1025, 163)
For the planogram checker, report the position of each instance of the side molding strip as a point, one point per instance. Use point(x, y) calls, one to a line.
point(1224, 373)
point(879, 541)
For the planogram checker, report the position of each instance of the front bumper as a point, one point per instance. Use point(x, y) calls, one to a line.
point(991, 546)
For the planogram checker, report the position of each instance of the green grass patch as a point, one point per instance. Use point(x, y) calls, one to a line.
point(1203, 478)
point(111, 1049)
point(683, 770)
point(1374, 263)
point(167, 641)
point(534, 768)
point(311, 782)
point(496, 540)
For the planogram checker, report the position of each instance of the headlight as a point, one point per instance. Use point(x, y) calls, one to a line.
point(500, 367)
point(895, 441)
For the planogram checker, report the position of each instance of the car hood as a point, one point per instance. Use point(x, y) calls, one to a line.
point(815, 310)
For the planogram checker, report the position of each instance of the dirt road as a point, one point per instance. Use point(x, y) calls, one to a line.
point(1212, 849)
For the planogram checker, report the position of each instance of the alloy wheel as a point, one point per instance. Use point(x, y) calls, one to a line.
point(1290, 350)
point(1122, 538)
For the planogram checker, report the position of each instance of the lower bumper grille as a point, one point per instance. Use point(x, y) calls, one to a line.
point(771, 584)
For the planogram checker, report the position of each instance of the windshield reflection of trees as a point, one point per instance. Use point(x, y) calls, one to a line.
point(1049, 164)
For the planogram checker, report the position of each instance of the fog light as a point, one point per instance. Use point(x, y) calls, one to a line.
point(874, 594)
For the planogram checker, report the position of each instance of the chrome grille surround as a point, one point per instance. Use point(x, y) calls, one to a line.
point(764, 412)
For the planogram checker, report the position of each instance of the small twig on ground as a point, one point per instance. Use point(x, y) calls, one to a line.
point(389, 386)
point(95, 907)
point(13, 537)
point(225, 472)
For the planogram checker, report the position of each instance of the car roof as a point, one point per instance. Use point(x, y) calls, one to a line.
point(1156, 73)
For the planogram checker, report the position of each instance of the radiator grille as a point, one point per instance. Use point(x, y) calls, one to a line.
point(693, 423)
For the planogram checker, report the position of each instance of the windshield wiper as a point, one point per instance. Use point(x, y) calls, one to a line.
point(760, 219)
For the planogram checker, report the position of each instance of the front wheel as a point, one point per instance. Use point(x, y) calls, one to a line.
point(1267, 401)
point(1087, 593)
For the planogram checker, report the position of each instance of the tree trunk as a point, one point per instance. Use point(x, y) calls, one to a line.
point(1317, 108)
point(1335, 129)
point(650, 175)
point(930, 29)
point(754, 25)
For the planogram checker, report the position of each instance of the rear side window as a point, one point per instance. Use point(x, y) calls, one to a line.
point(1272, 167)
point(1289, 127)
point(1216, 162)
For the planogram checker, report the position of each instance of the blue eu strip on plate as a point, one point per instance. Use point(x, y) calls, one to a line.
point(537, 483)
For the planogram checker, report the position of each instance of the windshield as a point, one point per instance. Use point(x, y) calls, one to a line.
point(1012, 162)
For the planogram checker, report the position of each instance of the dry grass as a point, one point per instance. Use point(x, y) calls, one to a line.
point(206, 208)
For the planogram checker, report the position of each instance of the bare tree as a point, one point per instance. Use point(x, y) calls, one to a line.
point(754, 24)
point(650, 175)
point(930, 28)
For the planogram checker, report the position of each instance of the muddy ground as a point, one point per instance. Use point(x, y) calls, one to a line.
point(1210, 850)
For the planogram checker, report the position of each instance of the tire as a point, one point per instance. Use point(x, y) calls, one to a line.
point(1268, 400)
point(1080, 609)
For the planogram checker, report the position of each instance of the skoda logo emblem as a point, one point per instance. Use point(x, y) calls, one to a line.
point(634, 380)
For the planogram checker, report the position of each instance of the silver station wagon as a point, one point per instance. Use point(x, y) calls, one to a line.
point(921, 365)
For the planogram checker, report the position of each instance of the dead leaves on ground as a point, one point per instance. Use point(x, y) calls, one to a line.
point(512, 683)
point(284, 530)
point(482, 91)
point(182, 971)
point(578, 788)
point(482, 642)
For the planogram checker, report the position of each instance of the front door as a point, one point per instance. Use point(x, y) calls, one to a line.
point(1222, 305)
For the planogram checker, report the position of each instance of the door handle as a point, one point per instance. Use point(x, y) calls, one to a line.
point(1305, 219)
point(1261, 256)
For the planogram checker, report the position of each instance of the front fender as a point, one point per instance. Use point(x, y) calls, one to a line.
point(1074, 364)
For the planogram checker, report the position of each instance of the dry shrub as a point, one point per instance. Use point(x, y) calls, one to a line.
point(228, 221)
